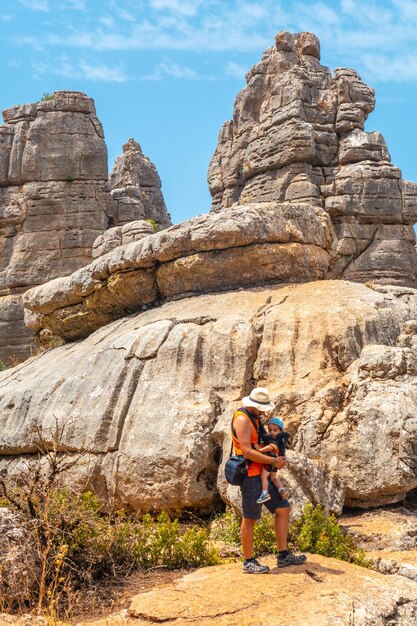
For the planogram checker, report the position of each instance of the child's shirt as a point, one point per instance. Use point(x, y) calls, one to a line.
point(280, 440)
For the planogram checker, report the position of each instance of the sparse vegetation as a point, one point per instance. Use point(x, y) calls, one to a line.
point(46, 96)
point(153, 224)
point(314, 532)
point(78, 543)
point(319, 533)
point(3, 366)
point(69, 178)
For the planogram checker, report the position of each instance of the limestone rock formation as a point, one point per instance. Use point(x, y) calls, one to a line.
point(55, 200)
point(136, 187)
point(250, 245)
point(158, 389)
point(302, 193)
point(297, 135)
point(119, 235)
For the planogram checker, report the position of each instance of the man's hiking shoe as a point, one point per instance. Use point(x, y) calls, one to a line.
point(253, 567)
point(291, 559)
point(264, 497)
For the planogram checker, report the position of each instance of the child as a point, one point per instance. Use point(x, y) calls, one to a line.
point(276, 442)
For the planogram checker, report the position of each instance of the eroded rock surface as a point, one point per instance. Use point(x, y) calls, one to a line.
point(250, 245)
point(158, 389)
point(136, 187)
point(297, 135)
point(55, 200)
point(119, 235)
point(332, 593)
point(393, 529)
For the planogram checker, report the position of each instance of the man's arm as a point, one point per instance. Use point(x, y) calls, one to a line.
point(243, 433)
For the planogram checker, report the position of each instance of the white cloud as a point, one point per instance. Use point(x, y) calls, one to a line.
point(235, 69)
point(35, 5)
point(384, 68)
point(167, 68)
point(76, 5)
point(348, 29)
point(183, 7)
point(6, 18)
point(82, 70)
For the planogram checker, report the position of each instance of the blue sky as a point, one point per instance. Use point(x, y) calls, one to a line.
point(166, 72)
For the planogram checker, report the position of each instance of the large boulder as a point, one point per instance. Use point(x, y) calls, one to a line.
point(322, 592)
point(256, 245)
point(151, 396)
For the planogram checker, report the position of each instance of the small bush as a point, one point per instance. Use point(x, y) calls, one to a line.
point(314, 532)
point(319, 533)
point(3, 366)
point(227, 528)
point(153, 224)
point(47, 96)
point(78, 544)
point(69, 178)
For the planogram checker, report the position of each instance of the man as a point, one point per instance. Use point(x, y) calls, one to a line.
point(245, 437)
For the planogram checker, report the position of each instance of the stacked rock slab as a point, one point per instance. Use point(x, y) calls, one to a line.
point(297, 135)
point(136, 188)
point(295, 160)
point(54, 200)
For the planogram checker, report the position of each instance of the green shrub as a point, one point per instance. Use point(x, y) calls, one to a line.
point(319, 533)
point(47, 96)
point(69, 178)
point(3, 366)
point(79, 544)
point(227, 528)
point(153, 224)
point(314, 532)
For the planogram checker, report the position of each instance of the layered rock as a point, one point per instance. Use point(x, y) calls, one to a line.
point(297, 135)
point(254, 244)
point(119, 235)
point(136, 187)
point(158, 390)
point(55, 200)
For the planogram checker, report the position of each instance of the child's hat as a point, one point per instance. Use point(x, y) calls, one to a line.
point(276, 420)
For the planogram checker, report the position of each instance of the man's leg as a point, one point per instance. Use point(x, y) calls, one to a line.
point(282, 520)
point(246, 533)
point(281, 509)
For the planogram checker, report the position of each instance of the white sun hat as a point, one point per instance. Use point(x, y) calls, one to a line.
point(259, 399)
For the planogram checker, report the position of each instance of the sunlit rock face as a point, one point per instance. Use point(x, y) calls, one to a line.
point(166, 332)
point(55, 199)
point(297, 135)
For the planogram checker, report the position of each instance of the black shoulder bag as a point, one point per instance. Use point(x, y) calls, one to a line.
point(236, 468)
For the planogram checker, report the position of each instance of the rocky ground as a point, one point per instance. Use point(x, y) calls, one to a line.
point(323, 592)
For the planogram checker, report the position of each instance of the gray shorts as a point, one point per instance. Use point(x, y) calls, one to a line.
point(251, 490)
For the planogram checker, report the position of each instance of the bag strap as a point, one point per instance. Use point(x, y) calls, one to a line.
point(259, 427)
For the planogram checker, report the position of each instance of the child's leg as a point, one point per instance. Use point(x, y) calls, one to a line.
point(274, 480)
point(264, 495)
point(279, 486)
point(264, 479)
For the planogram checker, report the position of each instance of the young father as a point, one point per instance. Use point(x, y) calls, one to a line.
point(244, 443)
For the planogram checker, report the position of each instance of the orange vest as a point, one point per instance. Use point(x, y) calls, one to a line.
point(254, 468)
